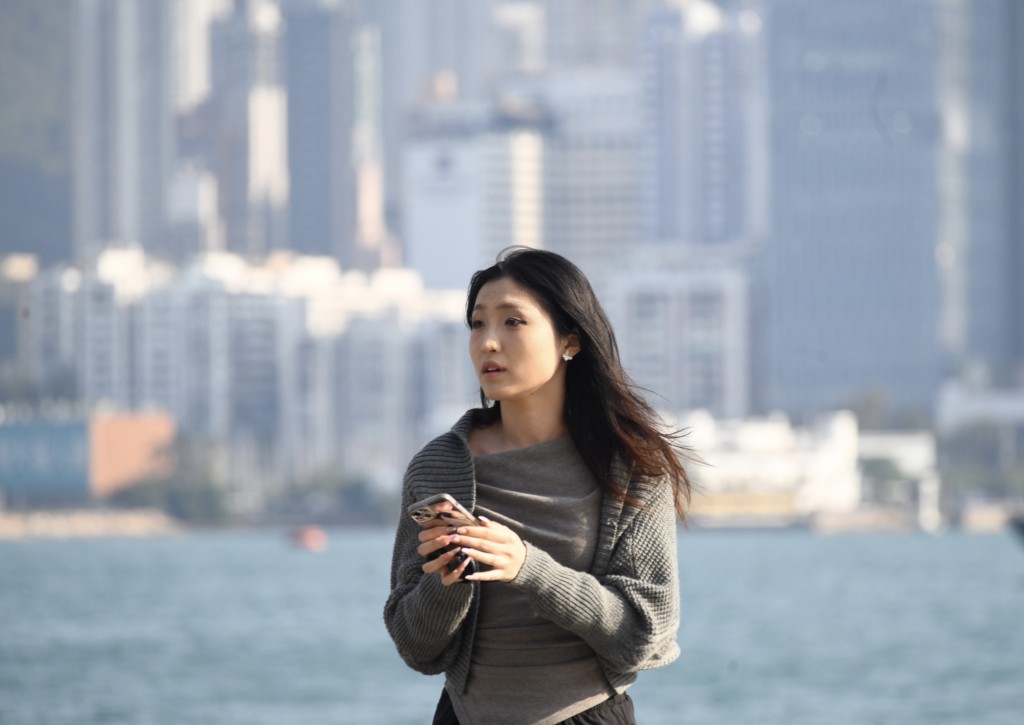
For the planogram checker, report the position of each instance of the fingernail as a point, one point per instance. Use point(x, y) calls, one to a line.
point(484, 519)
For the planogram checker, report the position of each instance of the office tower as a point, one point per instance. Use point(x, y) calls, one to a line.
point(194, 224)
point(321, 99)
point(473, 187)
point(980, 76)
point(446, 49)
point(123, 114)
point(849, 297)
point(592, 187)
point(243, 128)
point(1015, 27)
point(520, 36)
point(444, 178)
point(591, 33)
point(705, 150)
point(192, 21)
point(35, 135)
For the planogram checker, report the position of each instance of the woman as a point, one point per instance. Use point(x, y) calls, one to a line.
point(576, 486)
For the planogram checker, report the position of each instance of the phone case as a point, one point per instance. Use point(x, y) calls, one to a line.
point(445, 508)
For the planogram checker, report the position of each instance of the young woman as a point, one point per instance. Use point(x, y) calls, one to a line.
point(574, 582)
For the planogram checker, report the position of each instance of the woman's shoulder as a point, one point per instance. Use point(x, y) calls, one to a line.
point(446, 454)
point(643, 492)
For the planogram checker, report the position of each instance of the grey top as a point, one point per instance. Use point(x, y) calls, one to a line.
point(626, 607)
point(547, 495)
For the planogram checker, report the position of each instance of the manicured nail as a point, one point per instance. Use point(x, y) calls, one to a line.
point(484, 519)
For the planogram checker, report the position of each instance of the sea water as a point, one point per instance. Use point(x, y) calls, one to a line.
point(241, 628)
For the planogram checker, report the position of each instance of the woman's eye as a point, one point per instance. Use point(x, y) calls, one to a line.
point(476, 324)
point(513, 322)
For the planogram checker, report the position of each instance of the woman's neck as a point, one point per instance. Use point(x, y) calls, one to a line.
point(525, 425)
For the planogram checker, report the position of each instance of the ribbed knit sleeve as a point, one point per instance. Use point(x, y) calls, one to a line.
point(630, 614)
point(424, 617)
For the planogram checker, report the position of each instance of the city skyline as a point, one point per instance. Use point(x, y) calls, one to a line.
point(786, 206)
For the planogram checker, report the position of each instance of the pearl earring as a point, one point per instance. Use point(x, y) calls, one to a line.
point(566, 356)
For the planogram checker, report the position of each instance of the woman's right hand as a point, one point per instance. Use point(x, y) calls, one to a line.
point(433, 539)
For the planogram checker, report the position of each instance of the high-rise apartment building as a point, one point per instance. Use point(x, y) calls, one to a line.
point(682, 319)
point(282, 369)
point(53, 335)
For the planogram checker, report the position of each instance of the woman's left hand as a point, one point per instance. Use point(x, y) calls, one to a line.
point(493, 544)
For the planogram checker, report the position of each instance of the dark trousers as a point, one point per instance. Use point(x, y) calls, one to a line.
point(617, 710)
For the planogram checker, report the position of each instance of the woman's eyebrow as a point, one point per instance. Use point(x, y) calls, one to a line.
point(502, 306)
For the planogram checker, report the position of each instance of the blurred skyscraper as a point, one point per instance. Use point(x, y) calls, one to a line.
point(705, 148)
point(35, 128)
point(868, 155)
point(1015, 27)
point(319, 77)
point(682, 318)
point(850, 297)
point(590, 33)
point(982, 245)
point(473, 180)
point(243, 127)
point(424, 44)
point(592, 189)
point(123, 115)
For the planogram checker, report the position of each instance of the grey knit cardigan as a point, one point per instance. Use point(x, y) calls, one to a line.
point(626, 607)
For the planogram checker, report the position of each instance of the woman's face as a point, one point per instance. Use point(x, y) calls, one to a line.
point(514, 346)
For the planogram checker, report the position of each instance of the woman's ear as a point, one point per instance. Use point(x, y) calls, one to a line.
point(573, 344)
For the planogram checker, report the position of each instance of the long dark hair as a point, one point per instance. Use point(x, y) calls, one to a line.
point(604, 413)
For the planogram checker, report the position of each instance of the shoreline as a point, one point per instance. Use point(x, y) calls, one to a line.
point(86, 524)
point(78, 524)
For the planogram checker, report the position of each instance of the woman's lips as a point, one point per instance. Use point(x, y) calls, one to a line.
point(491, 369)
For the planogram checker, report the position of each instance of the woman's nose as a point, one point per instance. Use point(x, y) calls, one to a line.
point(489, 344)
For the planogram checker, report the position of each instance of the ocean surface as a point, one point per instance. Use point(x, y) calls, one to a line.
point(240, 628)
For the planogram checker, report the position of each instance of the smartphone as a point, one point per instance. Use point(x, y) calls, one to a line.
point(444, 508)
